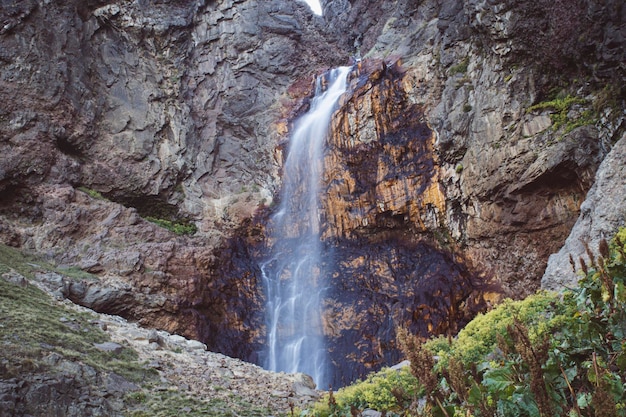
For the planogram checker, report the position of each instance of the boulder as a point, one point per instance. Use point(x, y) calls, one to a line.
point(109, 347)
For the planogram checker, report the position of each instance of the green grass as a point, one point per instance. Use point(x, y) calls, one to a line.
point(75, 273)
point(92, 193)
point(460, 68)
point(11, 258)
point(172, 403)
point(27, 265)
point(33, 325)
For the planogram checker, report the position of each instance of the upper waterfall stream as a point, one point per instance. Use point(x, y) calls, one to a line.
point(293, 280)
point(315, 6)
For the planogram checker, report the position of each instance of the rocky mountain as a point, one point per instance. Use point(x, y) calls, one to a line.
point(456, 164)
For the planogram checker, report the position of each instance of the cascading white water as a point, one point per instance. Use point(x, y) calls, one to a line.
point(292, 276)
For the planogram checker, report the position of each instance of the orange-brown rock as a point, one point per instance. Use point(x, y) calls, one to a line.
point(381, 167)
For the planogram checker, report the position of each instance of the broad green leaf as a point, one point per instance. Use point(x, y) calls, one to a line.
point(583, 399)
point(499, 380)
point(475, 395)
point(621, 361)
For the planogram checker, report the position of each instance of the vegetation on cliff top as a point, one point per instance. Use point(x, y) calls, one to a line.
point(548, 355)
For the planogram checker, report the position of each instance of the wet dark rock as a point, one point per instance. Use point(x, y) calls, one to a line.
point(391, 277)
point(381, 283)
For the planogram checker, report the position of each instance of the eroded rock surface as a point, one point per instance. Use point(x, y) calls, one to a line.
point(170, 110)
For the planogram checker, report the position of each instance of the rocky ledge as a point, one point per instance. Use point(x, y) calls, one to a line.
point(178, 375)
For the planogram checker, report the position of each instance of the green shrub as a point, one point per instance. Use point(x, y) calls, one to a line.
point(180, 228)
point(551, 354)
point(542, 311)
point(388, 390)
point(548, 355)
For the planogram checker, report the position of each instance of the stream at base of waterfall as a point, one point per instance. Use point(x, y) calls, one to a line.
point(293, 279)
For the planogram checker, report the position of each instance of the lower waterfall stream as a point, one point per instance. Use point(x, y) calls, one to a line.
point(293, 280)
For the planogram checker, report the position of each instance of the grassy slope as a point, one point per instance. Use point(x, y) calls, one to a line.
point(33, 326)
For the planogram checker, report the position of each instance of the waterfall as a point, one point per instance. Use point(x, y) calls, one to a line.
point(293, 280)
point(315, 6)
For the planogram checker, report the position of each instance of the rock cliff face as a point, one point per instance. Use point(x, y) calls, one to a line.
point(601, 214)
point(469, 139)
point(170, 111)
point(508, 179)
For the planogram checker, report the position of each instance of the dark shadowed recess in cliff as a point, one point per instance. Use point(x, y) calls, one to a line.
point(16, 201)
point(379, 286)
point(148, 205)
point(232, 316)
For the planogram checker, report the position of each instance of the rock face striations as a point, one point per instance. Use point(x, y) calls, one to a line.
point(115, 112)
point(457, 163)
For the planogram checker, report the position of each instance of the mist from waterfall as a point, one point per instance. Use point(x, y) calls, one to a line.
point(293, 280)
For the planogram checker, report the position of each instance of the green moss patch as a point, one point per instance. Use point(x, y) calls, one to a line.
point(560, 108)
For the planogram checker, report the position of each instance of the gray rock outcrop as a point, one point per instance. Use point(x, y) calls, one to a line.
point(601, 214)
